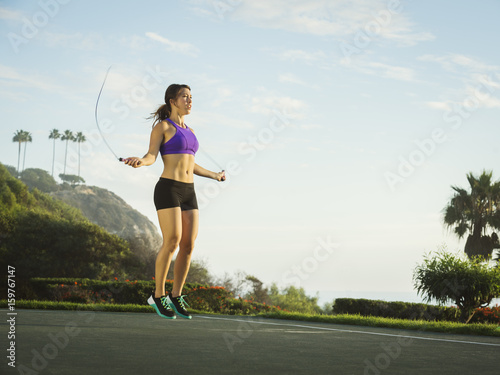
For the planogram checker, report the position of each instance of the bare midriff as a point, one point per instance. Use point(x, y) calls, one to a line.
point(178, 167)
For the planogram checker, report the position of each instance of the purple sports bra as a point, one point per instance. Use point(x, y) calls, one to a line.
point(183, 142)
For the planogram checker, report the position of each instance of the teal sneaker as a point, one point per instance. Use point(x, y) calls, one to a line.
point(161, 306)
point(179, 306)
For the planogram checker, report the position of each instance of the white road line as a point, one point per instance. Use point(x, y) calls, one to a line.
point(351, 331)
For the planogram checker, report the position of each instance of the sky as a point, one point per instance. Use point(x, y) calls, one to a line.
point(342, 125)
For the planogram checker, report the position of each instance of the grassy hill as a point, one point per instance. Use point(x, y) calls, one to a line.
point(44, 237)
point(106, 209)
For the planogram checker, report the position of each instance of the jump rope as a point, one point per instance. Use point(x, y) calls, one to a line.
point(109, 147)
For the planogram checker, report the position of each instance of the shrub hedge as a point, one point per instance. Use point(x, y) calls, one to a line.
point(401, 310)
point(411, 311)
point(218, 300)
point(199, 296)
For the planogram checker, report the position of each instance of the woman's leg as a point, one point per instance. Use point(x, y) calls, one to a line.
point(171, 228)
point(183, 260)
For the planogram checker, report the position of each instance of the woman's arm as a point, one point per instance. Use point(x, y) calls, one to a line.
point(154, 147)
point(202, 172)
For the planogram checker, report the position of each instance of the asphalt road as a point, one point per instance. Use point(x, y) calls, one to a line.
point(95, 343)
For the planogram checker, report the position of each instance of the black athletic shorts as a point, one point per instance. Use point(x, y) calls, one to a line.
point(171, 193)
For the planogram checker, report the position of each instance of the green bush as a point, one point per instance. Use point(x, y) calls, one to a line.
point(39, 179)
point(201, 297)
point(410, 311)
point(218, 300)
point(398, 310)
point(294, 299)
point(468, 283)
point(120, 292)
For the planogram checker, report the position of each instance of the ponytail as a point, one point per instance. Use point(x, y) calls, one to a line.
point(161, 114)
point(165, 110)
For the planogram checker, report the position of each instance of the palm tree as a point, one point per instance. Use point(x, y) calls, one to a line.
point(18, 137)
point(67, 136)
point(27, 138)
point(54, 134)
point(475, 212)
point(79, 138)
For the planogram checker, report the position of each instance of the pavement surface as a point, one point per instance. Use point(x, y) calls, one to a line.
point(95, 343)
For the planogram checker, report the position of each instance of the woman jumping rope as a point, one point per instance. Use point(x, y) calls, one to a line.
point(174, 196)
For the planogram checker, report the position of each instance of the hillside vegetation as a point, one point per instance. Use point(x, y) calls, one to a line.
point(101, 207)
point(44, 237)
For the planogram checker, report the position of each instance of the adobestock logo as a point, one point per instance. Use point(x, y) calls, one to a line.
point(301, 271)
point(416, 158)
point(390, 352)
point(30, 27)
point(123, 107)
point(153, 79)
point(454, 117)
point(51, 350)
point(226, 6)
point(249, 150)
point(265, 136)
point(371, 30)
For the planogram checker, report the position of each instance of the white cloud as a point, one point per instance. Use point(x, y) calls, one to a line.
point(317, 58)
point(311, 127)
point(85, 42)
point(317, 17)
point(304, 56)
point(120, 80)
point(222, 95)
point(471, 98)
point(290, 78)
point(134, 42)
point(293, 79)
point(443, 106)
point(491, 102)
point(403, 32)
point(476, 84)
point(209, 120)
point(480, 96)
point(178, 47)
point(341, 19)
point(6, 14)
point(456, 63)
point(12, 77)
point(292, 109)
point(394, 72)
point(352, 24)
point(382, 70)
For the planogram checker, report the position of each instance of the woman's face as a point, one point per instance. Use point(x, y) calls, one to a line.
point(184, 101)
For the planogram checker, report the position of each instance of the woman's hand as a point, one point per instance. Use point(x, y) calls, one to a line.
point(202, 172)
point(133, 162)
point(221, 176)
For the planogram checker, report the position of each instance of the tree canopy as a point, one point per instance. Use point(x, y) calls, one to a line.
point(469, 283)
point(39, 179)
point(71, 179)
point(294, 299)
point(476, 212)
